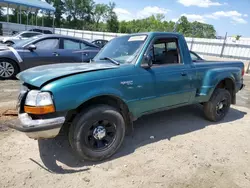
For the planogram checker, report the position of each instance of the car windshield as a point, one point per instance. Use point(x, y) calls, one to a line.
point(122, 49)
point(17, 34)
point(21, 43)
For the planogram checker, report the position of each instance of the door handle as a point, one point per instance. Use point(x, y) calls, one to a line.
point(184, 74)
point(85, 54)
point(55, 54)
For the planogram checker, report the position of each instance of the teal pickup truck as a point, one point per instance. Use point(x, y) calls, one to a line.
point(131, 76)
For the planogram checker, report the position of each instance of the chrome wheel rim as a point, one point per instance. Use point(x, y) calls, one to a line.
point(6, 69)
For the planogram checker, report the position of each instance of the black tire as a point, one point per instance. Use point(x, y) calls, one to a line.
point(7, 63)
point(81, 133)
point(218, 105)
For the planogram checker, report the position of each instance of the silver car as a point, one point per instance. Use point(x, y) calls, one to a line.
point(10, 40)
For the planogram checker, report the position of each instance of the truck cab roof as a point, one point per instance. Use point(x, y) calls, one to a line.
point(156, 33)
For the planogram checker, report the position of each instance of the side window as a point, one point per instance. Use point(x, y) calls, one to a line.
point(35, 34)
point(165, 51)
point(83, 45)
point(159, 49)
point(28, 35)
point(71, 44)
point(25, 35)
point(47, 44)
point(194, 57)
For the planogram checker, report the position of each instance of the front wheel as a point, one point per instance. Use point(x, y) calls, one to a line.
point(218, 105)
point(8, 69)
point(97, 133)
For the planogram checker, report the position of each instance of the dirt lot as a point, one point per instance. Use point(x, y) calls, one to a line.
point(186, 151)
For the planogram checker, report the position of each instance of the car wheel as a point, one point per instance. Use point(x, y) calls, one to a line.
point(8, 69)
point(97, 133)
point(218, 106)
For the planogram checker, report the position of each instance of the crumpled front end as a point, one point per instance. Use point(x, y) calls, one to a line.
point(36, 126)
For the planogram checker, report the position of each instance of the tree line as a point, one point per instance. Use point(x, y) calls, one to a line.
point(88, 15)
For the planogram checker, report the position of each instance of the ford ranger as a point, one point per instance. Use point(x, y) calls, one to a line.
point(131, 76)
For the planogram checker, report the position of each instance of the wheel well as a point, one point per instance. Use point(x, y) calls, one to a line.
point(229, 85)
point(108, 100)
point(8, 41)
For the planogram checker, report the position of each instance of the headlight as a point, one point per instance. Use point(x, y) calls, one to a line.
point(31, 98)
point(43, 99)
point(37, 98)
point(38, 102)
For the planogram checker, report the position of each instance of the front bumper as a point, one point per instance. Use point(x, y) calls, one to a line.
point(39, 128)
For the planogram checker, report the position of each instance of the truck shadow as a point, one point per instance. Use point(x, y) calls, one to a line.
point(162, 125)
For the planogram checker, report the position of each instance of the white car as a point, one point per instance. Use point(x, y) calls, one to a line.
point(10, 40)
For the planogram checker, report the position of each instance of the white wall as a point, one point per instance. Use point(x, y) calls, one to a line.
point(212, 47)
point(9, 27)
point(88, 35)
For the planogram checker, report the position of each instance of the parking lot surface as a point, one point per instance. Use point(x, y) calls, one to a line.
point(175, 148)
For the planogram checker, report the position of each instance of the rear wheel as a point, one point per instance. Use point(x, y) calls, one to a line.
point(9, 43)
point(8, 69)
point(96, 134)
point(218, 106)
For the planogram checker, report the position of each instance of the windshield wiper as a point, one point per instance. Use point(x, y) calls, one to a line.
point(111, 60)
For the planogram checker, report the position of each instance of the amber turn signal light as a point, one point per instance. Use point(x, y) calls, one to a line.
point(39, 110)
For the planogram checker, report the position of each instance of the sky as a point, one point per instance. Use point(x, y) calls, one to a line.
point(232, 16)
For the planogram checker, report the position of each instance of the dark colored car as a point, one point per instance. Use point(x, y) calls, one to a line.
point(44, 50)
point(100, 42)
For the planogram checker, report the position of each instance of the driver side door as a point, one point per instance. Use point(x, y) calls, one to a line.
point(172, 77)
point(46, 52)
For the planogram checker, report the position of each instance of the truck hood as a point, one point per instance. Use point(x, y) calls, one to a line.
point(37, 76)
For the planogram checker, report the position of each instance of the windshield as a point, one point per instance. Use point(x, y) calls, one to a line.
point(122, 49)
point(21, 43)
point(16, 34)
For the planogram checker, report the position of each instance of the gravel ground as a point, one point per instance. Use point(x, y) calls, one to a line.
point(176, 148)
point(8, 93)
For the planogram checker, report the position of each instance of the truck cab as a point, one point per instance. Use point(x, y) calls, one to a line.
point(131, 76)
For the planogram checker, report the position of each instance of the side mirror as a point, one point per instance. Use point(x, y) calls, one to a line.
point(148, 60)
point(31, 47)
